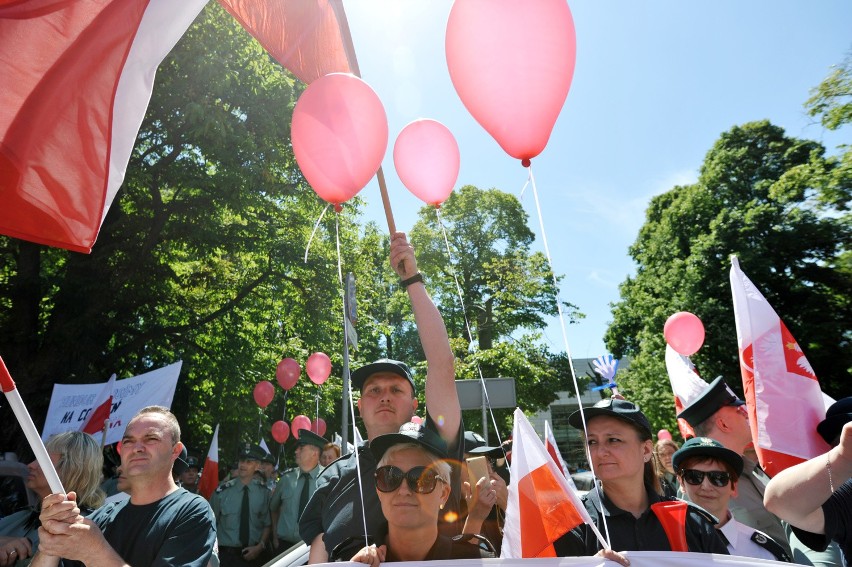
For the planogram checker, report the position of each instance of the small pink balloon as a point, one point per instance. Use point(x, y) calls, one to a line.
point(416, 419)
point(318, 426)
point(426, 157)
point(263, 393)
point(287, 373)
point(339, 135)
point(299, 422)
point(280, 431)
point(684, 332)
point(318, 367)
point(511, 64)
point(664, 434)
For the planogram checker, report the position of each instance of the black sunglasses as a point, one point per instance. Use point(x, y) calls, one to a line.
point(421, 480)
point(695, 478)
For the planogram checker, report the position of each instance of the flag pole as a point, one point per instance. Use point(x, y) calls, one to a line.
point(30, 431)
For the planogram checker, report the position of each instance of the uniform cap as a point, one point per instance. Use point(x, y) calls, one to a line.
point(410, 433)
point(714, 398)
point(308, 437)
point(706, 447)
point(613, 407)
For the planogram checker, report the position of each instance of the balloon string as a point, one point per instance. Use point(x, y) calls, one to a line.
point(339, 258)
point(531, 182)
point(358, 464)
point(314, 231)
point(467, 325)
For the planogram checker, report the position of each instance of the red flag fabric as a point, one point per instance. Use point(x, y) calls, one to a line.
point(210, 473)
point(785, 402)
point(77, 78)
point(102, 408)
point(542, 505)
point(309, 37)
point(553, 451)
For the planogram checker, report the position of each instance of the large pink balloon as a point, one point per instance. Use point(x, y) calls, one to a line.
point(280, 431)
point(664, 434)
point(287, 373)
point(299, 422)
point(263, 393)
point(426, 157)
point(319, 426)
point(339, 135)
point(511, 63)
point(684, 332)
point(318, 367)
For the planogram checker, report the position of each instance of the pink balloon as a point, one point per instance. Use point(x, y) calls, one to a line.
point(511, 64)
point(416, 419)
point(299, 422)
point(263, 393)
point(318, 426)
point(280, 431)
point(684, 332)
point(287, 373)
point(339, 135)
point(664, 434)
point(318, 367)
point(426, 157)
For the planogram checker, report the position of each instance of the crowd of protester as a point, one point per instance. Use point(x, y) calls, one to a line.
point(412, 492)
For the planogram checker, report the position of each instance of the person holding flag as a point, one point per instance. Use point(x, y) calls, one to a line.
point(637, 517)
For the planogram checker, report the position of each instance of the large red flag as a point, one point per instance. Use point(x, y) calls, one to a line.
point(210, 473)
point(542, 505)
point(101, 410)
point(77, 77)
point(784, 399)
point(309, 37)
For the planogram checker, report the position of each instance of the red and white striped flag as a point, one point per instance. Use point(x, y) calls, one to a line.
point(101, 410)
point(210, 473)
point(77, 78)
point(553, 451)
point(687, 385)
point(542, 505)
point(782, 392)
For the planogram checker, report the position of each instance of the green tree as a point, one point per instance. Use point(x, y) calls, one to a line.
point(773, 201)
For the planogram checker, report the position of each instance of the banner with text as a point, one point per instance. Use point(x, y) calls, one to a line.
point(71, 404)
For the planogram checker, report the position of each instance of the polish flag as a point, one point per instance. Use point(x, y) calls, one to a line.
point(542, 505)
point(210, 473)
point(77, 79)
point(103, 406)
point(687, 385)
point(553, 451)
point(785, 402)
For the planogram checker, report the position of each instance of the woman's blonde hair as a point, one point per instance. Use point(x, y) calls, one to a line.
point(80, 466)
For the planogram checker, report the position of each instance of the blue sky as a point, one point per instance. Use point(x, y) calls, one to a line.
point(655, 84)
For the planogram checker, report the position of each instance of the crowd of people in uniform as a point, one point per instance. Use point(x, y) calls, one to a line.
point(429, 491)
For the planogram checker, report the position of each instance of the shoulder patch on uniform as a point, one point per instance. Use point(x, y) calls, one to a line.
point(771, 546)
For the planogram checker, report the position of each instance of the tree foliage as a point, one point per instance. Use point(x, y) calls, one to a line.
point(780, 205)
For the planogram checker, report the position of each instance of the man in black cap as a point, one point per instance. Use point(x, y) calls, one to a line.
point(267, 467)
point(719, 414)
point(295, 489)
point(388, 400)
point(189, 477)
point(708, 474)
point(241, 506)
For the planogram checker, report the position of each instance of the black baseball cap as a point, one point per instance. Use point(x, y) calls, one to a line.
point(707, 447)
point(383, 365)
point(613, 407)
point(714, 398)
point(838, 415)
point(252, 452)
point(410, 433)
point(473, 440)
point(308, 437)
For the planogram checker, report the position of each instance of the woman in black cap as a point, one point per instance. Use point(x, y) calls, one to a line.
point(413, 484)
point(638, 518)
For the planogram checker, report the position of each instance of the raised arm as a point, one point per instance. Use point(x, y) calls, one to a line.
point(442, 401)
point(798, 493)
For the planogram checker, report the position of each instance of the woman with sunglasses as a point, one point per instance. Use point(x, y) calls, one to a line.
point(618, 438)
point(413, 484)
point(708, 474)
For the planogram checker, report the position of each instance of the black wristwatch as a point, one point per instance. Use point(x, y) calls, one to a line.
point(418, 277)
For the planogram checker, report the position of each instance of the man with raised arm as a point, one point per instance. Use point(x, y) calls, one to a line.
point(160, 524)
point(334, 515)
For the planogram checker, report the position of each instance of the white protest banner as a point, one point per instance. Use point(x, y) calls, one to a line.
point(70, 404)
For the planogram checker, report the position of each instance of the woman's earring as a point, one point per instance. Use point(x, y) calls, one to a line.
point(441, 506)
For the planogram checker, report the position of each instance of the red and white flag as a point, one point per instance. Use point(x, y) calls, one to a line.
point(687, 385)
point(210, 473)
point(77, 79)
point(782, 392)
point(101, 410)
point(542, 505)
point(553, 451)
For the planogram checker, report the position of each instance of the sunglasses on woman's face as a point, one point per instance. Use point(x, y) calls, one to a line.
point(695, 478)
point(421, 480)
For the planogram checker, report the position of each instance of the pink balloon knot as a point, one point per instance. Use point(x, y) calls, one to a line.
point(525, 162)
